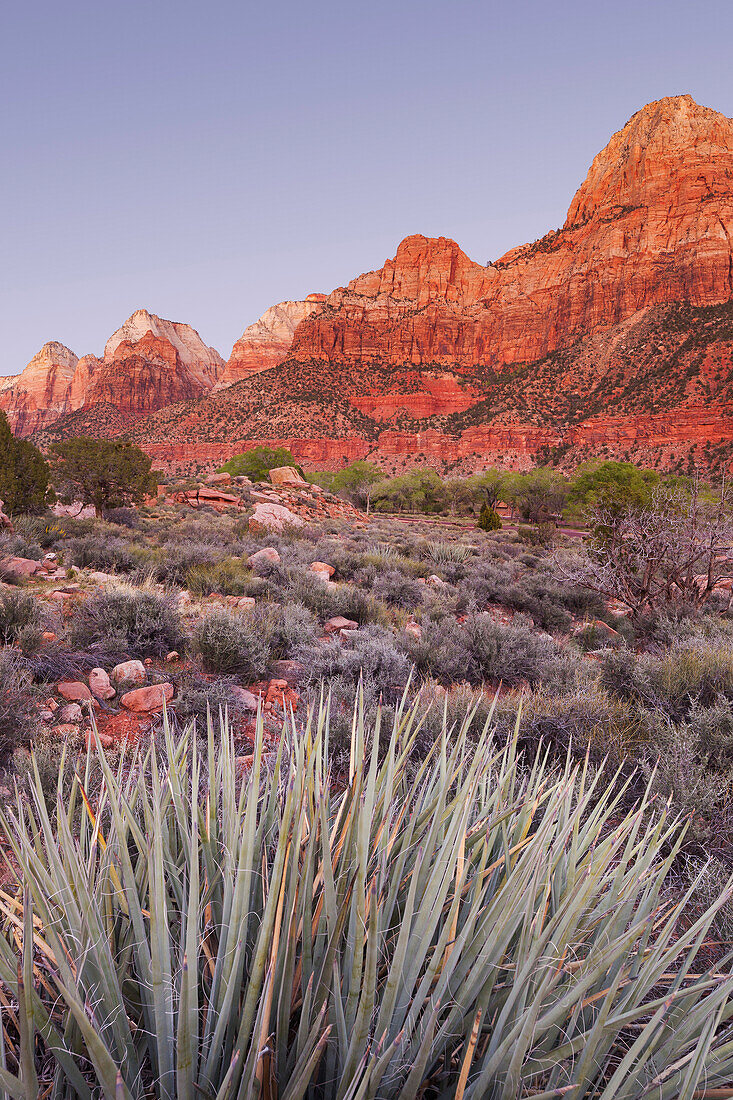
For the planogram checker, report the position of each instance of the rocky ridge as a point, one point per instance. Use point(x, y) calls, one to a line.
point(613, 331)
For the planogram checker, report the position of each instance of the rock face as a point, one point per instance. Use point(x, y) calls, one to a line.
point(203, 364)
point(40, 394)
point(613, 331)
point(652, 223)
point(148, 363)
point(267, 342)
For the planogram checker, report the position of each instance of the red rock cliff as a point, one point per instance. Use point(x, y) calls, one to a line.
point(652, 223)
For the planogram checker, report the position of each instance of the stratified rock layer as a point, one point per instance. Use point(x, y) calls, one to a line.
point(615, 332)
point(266, 343)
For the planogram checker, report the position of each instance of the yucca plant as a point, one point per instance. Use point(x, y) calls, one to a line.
point(448, 553)
point(476, 928)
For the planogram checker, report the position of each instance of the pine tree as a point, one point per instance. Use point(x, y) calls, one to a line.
point(488, 518)
point(24, 473)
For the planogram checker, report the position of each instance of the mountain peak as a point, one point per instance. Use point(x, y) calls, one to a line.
point(641, 164)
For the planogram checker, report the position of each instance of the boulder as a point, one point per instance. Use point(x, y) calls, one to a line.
point(322, 569)
point(147, 700)
point(129, 672)
point(286, 475)
point(19, 567)
point(219, 479)
point(266, 555)
point(66, 729)
point(74, 691)
point(273, 518)
point(337, 623)
point(246, 603)
point(173, 656)
point(72, 712)
point(99, 684)
point(243, 698)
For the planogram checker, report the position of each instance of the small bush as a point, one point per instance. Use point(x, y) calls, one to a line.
point(516, 653)
point(230, 577)
point(19, 614)
point(17, 710)
point(137, 621)
point(230, 644)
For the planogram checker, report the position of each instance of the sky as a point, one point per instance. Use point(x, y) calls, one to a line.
point(207, 159)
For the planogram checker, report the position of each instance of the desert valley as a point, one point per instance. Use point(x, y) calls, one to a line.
point(366, 698)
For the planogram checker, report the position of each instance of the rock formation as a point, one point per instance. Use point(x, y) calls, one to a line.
point(266, 343)
point(614, 331)
point(147, 363)
point(40, 394)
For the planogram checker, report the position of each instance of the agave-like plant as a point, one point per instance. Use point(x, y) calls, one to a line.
point(470, 928)
point(448, 553)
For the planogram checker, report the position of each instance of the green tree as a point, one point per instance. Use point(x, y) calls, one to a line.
point(488, 518)
point(257, 462)
point(419, 490)
point(356, 480)
point(538, 496)
point(105, 473)
point(613, 487)
point(24, 473)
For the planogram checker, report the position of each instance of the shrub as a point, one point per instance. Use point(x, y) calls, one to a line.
point(371, 654)
point(395, 588)
point(19, 614)
point(17, 710)
point(137, 621)
point(441, 652)
point(488, 518)
point(103, 552)
point(502, 931)
point(698, 671)
point(516, 653)
point(231, 644)
point(230, 577)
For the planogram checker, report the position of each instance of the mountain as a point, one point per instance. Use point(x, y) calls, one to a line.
point(611, 334)
point(267, 342)
point(148, 363)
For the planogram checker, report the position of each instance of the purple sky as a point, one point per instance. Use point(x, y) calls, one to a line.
point(207, 159)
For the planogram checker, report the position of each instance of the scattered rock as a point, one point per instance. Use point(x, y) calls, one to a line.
point(19, 567)
point(219, 479)
point(95, 739)
point(146, 700)
point(5, 521)
point(173, 656)
point(600, 632)
point(414, 629)
point(273, 518)
point(267, 554)
point(47, 637)
point(437, 581)
point(74, 691)
point(286, 475)
point(72, 712)
point(332, 626)
point(129, 672)
point(323, 570)
point(67, 729)
point(246, 603)
point(245, 699)
point(102, 578)
point(99, 684)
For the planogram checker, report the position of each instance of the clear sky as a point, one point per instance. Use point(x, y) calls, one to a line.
point(207, 159)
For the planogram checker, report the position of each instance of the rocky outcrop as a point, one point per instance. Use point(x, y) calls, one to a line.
point(613, 331)
point(267, 342)
point(203, 364)
point(40, 394)
point(652, 223)
point(148, 363)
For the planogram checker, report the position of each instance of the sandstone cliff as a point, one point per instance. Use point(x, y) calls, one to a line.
point(614, 331)
point(267, 342)
point(40, 394)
